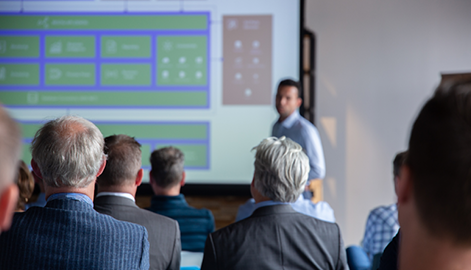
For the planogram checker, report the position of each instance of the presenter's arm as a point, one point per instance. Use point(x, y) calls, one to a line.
point(315, 152)
point(209, 257)
point(177, 249)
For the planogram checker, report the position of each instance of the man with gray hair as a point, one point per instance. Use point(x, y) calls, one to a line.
point(10, 148)
point(67, 233)
point(275, 236)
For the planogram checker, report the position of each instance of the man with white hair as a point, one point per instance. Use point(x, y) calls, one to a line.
point(275, 236)
point(10, 148)
point(67, 233)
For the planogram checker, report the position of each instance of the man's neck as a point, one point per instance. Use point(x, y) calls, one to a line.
point(173, 191)
point(425, 251)
point(283, 118)
point(131, 189)
point(88, 191)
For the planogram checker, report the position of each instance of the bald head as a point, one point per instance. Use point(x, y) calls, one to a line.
point(68, 152)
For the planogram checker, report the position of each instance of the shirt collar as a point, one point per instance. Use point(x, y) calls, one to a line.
point(267, 203)
point(119, 194)
point(75, 196)
point(290, 120)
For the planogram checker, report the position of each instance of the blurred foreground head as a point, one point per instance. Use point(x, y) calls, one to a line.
point(281, 169)
point(10, 148)
point(439, 162)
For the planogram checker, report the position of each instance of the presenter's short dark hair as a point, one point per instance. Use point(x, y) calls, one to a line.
point(439, 159)
point(167, 166)
point(289, 82)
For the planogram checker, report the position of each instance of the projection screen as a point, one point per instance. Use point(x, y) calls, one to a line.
point(199, 74)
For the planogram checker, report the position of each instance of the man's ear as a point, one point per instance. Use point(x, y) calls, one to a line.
point(8, 200)
point(299, 101)
point(102, 168)
point(139, 176)
point(36, 170)
point(404, 187)
point(151, 180)
point(182, 182)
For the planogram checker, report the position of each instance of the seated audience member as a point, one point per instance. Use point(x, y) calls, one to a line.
point(390, 254)
point(10, 149)
point(166, 178)
point(67, 233)
point(41, 200)
point(381, 226)
point(275, 236)
point(117, 187)
point(320, 210)
point(434, 190)
point(25, 184)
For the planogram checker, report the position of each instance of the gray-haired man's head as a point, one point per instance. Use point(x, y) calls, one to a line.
point(281, 169)
point(68, 152)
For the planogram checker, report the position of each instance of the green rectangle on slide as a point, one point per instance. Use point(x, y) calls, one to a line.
point(92, 98)
point(140, 131)
point(156, 131)
point(19, 46)
point(125, 74)
point(26, 154)
point(70, 74)
point(145, 153)
point(70, 46)
point(181, 60)
point(125, 46)
point(19, 74)
point(103, 22)
point(195, 154)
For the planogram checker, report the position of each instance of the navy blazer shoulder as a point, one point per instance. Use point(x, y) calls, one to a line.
point(69, 234)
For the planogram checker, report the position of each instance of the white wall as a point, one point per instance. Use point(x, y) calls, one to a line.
point(377, 62)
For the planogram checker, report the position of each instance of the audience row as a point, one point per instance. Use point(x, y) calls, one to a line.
point(70, 156)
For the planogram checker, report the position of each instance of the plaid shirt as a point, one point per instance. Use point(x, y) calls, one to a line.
point(381, 227)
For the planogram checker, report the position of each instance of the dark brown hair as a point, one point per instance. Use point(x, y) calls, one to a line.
point(439, 159)
point(167, 166)
point(25, 184)
point(123, 162)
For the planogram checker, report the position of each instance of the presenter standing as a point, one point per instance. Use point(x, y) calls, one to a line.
point(292, 125)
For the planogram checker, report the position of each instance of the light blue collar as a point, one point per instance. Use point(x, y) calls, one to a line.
point(290, 120)
point(74, 196)
point(267, 203)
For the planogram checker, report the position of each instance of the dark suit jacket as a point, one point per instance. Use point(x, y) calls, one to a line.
point(276, 237)
point(69, 234)
point(390, 254)
point(164, 235)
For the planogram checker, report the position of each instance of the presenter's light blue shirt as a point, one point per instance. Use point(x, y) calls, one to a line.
point(304, 133)
point(320, 210)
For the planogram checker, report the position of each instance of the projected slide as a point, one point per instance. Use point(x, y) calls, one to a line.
point(69, 60)
point(191, 138)
point(197, 75)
